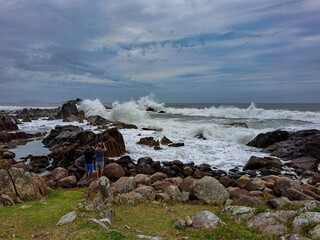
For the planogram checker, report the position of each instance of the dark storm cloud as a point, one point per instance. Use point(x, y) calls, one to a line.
point(179, 50)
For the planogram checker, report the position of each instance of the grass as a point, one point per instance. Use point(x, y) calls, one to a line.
point(39, 221)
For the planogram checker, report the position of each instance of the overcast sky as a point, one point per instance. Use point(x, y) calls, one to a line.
point(181, 51)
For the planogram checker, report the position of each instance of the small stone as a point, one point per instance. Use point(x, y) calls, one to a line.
point(99, 223)
point(149, 237)
point(70, 217)
point(83, 215)
point(25, 206)
point(126, 227)
point(67, 234)
point(188, 221)
point(181, 224)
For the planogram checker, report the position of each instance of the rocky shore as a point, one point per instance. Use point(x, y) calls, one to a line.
point(289, 178)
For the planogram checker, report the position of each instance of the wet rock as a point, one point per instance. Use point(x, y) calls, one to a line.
point(149, 141)
point(187, 171)
point(306, 163)
point(210, 190)
point(266, 139)
point(265, 162)
point(165, 141)
point(176, 144)
point(7, 123)
point(69, 109)
point(207, 220)
point(145, 169)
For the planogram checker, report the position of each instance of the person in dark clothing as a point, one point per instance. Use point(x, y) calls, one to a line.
point(100, 159)
point(88, 156)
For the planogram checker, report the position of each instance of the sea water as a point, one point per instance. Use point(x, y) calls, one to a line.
point(222, 145)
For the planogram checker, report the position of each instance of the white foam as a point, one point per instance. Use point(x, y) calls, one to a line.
point(93, 108)
point(252, 112)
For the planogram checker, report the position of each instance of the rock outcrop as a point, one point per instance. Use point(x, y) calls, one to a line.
point(16, 185)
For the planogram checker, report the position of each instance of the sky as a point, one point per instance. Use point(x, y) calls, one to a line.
point(178, 50)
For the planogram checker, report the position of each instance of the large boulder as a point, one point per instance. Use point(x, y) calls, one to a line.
point(304, 143)
point(69, 109)
point(210, 190)
point(7, 123)
point(306, 163)
point(59, 173)
point(17, 185)
point(265, 162)
point(113, 171)
point(68, 182)
point(284, 183)
point(125, 185)
point(266, 139)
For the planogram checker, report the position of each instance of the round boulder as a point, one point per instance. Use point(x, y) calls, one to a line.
point(210, 190)
point(113, 170)
point(59, 173)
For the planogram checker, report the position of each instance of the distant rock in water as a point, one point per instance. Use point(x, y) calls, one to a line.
point(238, 124)
point(69, 109)
point(28, 114)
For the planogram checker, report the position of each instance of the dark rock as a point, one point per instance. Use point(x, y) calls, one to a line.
point(158, 176)
point(150, 109)
point(98, 120)
point(176, 144)
point(39, 163)
point(239, 124)
point(113, 171)
point(145, 169)
point(168, 172)
point(7, 123)
point(226, 181)
point(306, 163)
point(266, 139)
point(67, 182)
point(283, 183)
point(149, 141)
point(266, 162)
point(294, 194)
point(69, 109)
point(165, 141)
point(145, 160)
point(187, 184)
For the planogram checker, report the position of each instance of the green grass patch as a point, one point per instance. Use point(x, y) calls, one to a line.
point(39, 221)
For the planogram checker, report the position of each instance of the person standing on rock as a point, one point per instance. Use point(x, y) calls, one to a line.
point(100, 159)
point(88, 156)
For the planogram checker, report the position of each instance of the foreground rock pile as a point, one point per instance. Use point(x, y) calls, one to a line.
point(16, 186)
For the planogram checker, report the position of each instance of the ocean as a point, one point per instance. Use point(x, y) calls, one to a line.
point(222, 145)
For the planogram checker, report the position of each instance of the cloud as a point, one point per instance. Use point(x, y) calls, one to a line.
point(137, 47)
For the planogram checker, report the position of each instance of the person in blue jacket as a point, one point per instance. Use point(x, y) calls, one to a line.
point(88, 156)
